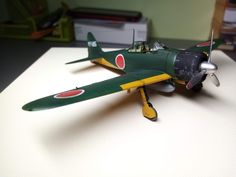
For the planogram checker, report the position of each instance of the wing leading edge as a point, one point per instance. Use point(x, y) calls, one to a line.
point(124, 82)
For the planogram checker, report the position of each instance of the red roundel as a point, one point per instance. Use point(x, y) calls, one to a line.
point(69, 94)
point(120, 61)
point(205, 44)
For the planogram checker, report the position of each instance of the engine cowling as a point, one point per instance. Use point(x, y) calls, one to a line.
point(187, 64)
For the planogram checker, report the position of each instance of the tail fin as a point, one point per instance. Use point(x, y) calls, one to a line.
point(94, 50)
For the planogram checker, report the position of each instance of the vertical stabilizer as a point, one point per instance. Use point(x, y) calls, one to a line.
point(94, 50)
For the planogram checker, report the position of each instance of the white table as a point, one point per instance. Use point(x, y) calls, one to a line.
point(195, 135)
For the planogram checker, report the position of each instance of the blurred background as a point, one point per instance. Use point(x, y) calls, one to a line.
point(31, 27)
point(182, 19)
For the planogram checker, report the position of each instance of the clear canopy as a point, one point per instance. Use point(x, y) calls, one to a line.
point(142, 47)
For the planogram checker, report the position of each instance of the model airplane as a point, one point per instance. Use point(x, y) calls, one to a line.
point(141, 65)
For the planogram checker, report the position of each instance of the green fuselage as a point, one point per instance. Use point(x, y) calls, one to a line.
point(161, 60)
point(143, 65)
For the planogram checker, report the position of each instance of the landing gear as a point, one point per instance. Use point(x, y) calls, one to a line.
point(148, 111)
point(197, 88)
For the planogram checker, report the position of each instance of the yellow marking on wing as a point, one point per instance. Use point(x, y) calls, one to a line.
point(104, 62)
point(146, 81)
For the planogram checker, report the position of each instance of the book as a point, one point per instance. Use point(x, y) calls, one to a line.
point(230, 15)
point(228, 27)
point(105, 14)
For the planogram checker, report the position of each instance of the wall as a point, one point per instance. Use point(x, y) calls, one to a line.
point(179, 19)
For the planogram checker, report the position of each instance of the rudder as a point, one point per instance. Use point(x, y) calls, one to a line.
point(94, 50)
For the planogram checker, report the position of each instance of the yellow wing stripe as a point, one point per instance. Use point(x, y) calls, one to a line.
point(104, 62)
point(146, 81)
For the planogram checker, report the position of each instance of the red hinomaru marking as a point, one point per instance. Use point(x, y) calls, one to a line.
point(205, 44)
point(120, 61)
point(69, 94)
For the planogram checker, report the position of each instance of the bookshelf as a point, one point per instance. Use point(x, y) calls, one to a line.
point(224, 22)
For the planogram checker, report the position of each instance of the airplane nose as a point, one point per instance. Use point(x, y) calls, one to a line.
point(208, 67)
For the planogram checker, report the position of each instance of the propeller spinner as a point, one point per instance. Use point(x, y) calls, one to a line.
point(206, 68)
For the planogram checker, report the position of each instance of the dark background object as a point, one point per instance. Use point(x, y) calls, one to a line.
point(232, 1)
point(105, 14)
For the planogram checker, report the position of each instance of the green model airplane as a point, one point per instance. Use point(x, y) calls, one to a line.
point(141, 65)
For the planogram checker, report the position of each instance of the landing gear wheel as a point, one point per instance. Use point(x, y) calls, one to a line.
point(148, 111)
point(197, 88)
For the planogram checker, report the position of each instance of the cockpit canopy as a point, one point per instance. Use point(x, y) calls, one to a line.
point(157, 45)
point(139, 47)
point(143, 47)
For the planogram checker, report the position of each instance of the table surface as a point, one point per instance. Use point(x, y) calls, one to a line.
point(195, 134)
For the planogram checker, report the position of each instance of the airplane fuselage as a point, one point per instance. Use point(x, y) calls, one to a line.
point(180, 64)
point(142, 65)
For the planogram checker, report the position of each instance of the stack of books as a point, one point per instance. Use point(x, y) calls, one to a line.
point(228, 29)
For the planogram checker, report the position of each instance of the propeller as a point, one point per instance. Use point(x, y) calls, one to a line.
point(215, 80)
point(206, 67)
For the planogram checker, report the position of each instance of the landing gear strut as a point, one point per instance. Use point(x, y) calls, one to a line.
point(148, 111)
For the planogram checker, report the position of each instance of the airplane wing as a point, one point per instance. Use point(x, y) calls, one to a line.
point(124, 82)
point(205, 46)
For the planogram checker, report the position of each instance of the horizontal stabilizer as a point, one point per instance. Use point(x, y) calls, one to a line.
point(82, 60)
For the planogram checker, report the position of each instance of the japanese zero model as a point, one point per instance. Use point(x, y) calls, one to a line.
point(156, 66)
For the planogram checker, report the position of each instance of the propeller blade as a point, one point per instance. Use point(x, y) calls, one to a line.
point(215, 80)
point(212, 36)
point(196, 79)
point(206, 68)
point(133, 39)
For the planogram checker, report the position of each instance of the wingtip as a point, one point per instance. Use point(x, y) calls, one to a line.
point(33, 106)
point(27, 107)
